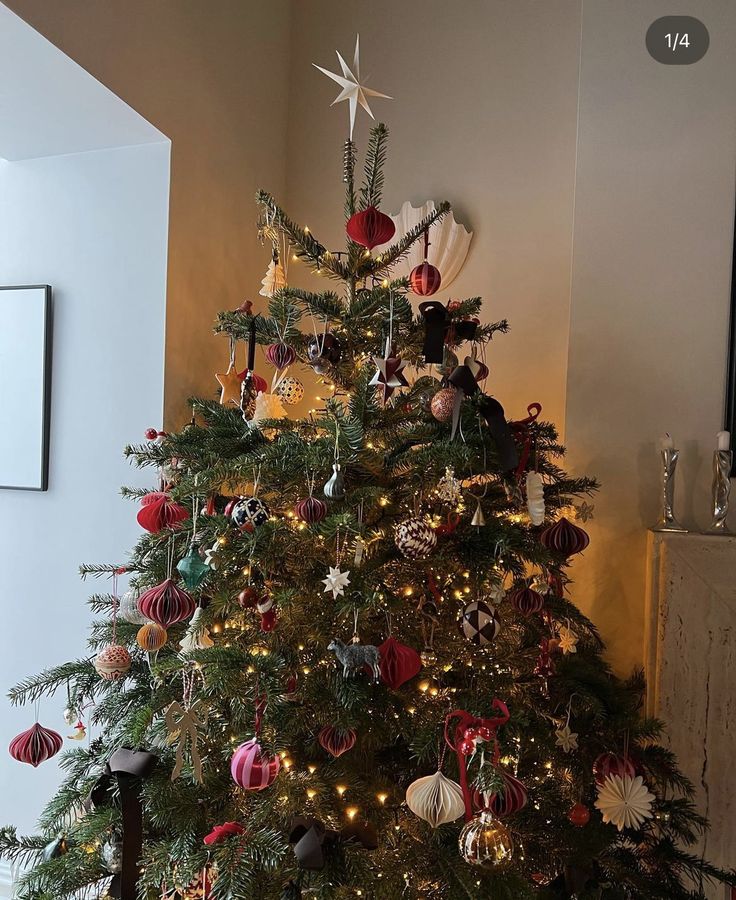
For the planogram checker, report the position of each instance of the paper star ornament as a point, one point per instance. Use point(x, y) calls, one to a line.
point(568, 640)
point(390, 374)
point(336, 582)
point(230, 382)
point(351, 88)
point(566, 739)
point(584, 511)
point(212, 556)
point(624, 801)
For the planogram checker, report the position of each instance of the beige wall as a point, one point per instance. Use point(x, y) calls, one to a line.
point(214, 78)
point(650, 290)
point(485, 115)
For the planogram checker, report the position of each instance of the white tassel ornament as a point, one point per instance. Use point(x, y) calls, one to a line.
point(535, 497)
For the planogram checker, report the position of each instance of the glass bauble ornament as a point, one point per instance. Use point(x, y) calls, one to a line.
point(193, 569)
point(485, 842)
point(112, 855)
point(128, 611)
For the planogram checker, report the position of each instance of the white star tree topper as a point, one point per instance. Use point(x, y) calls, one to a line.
point(352, 89)
point(336, 582)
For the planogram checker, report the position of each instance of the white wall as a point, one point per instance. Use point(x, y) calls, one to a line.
point(653, 242)
point(93, 225)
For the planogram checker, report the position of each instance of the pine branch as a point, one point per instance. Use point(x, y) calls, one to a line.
point(375, 159)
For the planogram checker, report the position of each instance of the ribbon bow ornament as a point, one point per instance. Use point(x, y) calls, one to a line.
point(464, 732)
point(311, 840)
point(182, 724)
point(126, 769)
point(523, 433)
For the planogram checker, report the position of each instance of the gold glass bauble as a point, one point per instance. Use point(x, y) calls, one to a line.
point(484, 841)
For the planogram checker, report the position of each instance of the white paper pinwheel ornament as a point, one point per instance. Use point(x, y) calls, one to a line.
point(448, 242)
point(624, 801)
point(435, 799)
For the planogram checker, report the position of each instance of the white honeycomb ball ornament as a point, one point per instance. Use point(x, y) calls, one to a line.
point(435, 799)
point(291, 390)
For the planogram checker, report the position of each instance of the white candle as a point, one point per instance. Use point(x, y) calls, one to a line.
point(724, 440)
point(666, 442)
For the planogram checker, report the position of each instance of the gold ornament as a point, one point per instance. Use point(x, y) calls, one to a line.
point(231, 384)
point(182, 723)
point(485, 842)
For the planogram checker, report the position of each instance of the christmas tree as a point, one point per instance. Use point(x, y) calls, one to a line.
point(347, 663)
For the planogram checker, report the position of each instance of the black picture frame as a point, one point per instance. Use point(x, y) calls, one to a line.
point(730, 413)
point(46, 385)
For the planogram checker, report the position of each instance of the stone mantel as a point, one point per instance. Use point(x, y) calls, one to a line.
point(690, 662)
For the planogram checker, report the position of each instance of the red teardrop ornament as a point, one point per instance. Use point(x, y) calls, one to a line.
point(399, 663)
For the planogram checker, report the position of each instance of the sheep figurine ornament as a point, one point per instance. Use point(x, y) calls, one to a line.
point(354, 656)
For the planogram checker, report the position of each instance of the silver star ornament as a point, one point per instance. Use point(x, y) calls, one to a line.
point(352, 89)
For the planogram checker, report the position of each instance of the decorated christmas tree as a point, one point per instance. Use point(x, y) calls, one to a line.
point(345, 661)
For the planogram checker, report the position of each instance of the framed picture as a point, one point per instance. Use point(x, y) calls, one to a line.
point(25, 386)
point(730, 416)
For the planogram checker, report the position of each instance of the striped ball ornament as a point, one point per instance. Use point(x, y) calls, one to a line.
point(151, 637)
point(35, 745)
point(612, 764)
point(425, 279)
point(166, 604)
point(526, 601)
point(512, 797)
point(336, 741)
point(564, 538)
point(311, 510)
point(280, 355)
point(159, 511)
point(370, 227)
point(251, 769)
point(415, 538)
point(112, 662)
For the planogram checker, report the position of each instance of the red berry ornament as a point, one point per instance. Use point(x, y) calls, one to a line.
point(251, 768)
point(151, 434)
point(336, 741)
point(579, 815)
point(249, 597)
point(370, 227)
point(467, 747)
point(425, 279)
point(35, 745)
point(166, 604)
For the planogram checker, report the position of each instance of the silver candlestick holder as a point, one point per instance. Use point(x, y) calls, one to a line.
point(722, 462)
point(667, 521)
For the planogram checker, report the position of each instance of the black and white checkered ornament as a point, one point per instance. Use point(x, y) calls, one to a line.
point(479, 623)
point(250, 511)
point(415, 538)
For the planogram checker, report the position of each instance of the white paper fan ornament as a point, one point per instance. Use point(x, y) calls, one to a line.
point(435, 799)
point(624, 801)
point(449, 242)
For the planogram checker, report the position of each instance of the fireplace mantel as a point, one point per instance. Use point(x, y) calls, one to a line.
point(690, 661)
